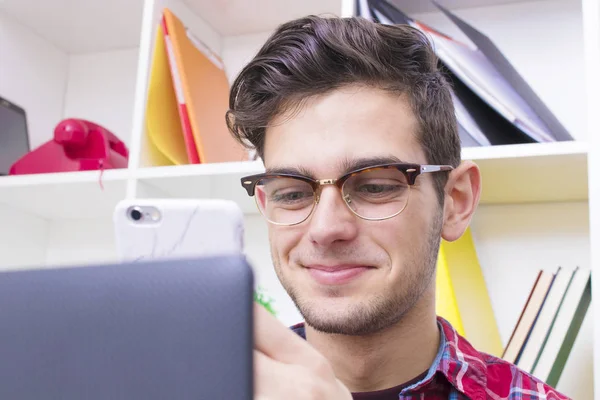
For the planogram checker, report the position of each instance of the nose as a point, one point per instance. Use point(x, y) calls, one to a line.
point(332, 221)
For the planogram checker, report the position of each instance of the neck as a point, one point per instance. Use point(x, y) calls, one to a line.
point(386, 358)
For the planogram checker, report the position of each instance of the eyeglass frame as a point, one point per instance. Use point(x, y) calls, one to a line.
point(410, 170)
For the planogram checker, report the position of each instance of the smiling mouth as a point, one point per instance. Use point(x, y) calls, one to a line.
point(336, 275)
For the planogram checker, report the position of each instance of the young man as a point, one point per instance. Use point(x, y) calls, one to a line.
point(356, 127)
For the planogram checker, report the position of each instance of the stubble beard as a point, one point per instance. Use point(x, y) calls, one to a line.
point(379, 311)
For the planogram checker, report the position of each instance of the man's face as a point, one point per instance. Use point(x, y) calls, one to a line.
point(393, 260)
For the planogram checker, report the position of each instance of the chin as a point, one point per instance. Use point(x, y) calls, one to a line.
point(348, 316)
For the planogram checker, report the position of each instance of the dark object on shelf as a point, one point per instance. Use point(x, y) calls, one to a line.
point(494, 104)
point(14, 135)
point(78, 145)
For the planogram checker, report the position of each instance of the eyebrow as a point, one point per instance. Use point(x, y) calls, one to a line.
point(352, 164)
point(299, 170)
point(346, 166)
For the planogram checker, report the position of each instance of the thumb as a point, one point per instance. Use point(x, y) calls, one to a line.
point(280, 343)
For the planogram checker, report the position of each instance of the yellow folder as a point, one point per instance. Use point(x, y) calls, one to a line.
point(446, 304)
point(462, 296)
point(163, 123)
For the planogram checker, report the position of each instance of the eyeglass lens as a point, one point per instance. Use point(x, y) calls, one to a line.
point(371, 194)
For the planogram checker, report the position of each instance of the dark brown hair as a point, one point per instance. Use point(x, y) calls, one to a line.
point(314, 55)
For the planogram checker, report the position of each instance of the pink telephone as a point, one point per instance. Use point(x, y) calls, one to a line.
point(78, 145)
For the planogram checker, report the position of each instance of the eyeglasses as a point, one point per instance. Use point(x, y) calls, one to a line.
point(373, 193)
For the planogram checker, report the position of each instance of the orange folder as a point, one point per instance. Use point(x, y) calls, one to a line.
point(205, 94)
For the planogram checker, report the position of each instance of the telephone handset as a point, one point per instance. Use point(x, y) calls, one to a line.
point(77, 145)
point(86, 139)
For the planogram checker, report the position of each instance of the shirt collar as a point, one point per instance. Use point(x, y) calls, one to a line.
point(456, 360)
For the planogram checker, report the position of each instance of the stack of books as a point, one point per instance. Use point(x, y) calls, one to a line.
point(550, 322)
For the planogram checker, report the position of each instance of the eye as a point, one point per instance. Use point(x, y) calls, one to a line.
point(374, 188)
point(290, 196)
point(377, 190)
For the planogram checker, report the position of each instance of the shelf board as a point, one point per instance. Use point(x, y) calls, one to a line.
point(548, 172)
point(529, 173)
point(551, 172)
point(66, 195)
point(216, 180)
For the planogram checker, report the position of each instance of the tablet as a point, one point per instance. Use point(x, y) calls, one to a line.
point(161, 329)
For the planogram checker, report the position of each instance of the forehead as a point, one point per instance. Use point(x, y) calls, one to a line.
point(345, 124)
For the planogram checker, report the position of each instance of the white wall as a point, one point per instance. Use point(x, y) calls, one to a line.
point(33, 74)
point(544, 42)
point(101, 88)
point(80, 241)
point(23, 239)
point(239, 51)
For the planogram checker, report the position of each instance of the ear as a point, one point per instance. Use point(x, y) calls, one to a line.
point(463, 190)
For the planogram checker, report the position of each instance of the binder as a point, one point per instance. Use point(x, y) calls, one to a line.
point(512, 77)
point(469, 130)
point(497, 99)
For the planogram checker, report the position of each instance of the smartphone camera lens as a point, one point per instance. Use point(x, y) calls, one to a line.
point(136, 214)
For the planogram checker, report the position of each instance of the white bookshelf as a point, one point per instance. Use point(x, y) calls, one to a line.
point(591, 29)
point(58, 58)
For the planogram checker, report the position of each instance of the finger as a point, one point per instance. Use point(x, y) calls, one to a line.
point(280, 343)
point(268, 378)
point(276, 380)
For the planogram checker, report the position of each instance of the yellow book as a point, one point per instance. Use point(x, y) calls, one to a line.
point(462, 295)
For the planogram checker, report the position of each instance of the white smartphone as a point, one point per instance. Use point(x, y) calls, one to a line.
point(177, 228)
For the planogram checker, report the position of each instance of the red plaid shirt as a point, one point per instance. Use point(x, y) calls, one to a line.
point(460, 372)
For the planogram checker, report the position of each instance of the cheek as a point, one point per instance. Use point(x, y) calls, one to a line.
point(283, 240)
point(403, 238)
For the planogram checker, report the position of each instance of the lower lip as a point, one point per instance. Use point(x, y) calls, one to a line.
point(337, 277)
